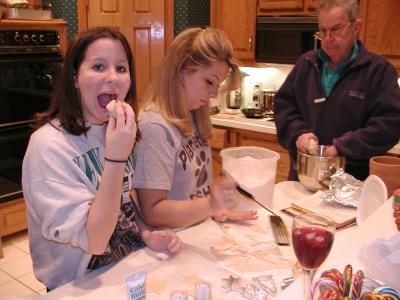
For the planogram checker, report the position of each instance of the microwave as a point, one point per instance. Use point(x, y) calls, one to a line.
point(284, 39)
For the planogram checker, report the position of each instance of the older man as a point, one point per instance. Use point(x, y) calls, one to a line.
point(341, 95)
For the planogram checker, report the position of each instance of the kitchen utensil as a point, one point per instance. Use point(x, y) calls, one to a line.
point(214, 106)
point(15, 3)
point(234, 99)
point(267, 102)
point(278, 227)
point(27, 14)
point(254, 112)
point(314, 171)
point(285, 282)
point(312, 239)
point(295, 210)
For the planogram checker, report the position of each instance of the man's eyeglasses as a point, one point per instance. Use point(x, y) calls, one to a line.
point(335, 31)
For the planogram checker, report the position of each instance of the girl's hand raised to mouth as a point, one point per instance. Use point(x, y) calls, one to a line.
point(121, 132)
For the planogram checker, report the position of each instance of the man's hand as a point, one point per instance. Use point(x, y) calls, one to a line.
point(303, 141)
point(331, 151)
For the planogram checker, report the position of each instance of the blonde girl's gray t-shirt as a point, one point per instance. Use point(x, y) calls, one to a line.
point(164, 159)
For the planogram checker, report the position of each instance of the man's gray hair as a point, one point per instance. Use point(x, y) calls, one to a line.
point(351, 6)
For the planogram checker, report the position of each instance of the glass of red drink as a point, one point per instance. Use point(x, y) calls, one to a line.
point(312, 239)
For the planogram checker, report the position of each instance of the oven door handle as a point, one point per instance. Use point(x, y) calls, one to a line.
point(16, 123)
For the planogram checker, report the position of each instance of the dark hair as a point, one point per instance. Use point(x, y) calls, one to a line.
point(66, 103)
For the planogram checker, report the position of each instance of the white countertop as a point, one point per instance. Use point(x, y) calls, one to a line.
point(196, 261)
point(265, 125)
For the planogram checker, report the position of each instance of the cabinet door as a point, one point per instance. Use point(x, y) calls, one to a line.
point(281, 4)
point(12, 217)
point(311, 4)
point(237, 18)
point(217, 142)
point(381, 28)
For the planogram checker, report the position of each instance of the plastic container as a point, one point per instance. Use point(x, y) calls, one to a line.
point(254, 168)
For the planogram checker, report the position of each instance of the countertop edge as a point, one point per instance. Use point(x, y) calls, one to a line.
point(259, 125)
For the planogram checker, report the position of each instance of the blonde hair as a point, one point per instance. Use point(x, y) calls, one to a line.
point(192, 49)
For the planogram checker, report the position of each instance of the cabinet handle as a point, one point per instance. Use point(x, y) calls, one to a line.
point(250, 41)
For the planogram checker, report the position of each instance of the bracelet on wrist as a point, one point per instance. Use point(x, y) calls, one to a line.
point(115, 160)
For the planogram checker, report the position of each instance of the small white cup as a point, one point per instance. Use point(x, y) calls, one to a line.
point(202, 290)
point(135, 284)
point(179, 295)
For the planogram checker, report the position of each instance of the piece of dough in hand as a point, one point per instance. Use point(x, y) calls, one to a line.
point(112, 108)
point(312, 147)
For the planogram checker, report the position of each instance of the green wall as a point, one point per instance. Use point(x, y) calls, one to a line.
point(191, 13)
point(67, 10)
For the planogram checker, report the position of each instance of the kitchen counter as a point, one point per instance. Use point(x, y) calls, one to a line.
point(265, 125)
point(198, 259)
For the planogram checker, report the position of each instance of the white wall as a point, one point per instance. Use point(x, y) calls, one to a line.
point(268, 78)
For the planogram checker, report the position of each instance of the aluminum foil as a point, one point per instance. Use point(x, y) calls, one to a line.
point(247, 289)
point(343, 189)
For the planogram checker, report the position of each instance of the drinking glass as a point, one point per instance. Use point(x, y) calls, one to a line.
point(312, 239)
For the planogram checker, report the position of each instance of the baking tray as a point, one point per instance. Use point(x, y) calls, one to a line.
point(27, 14)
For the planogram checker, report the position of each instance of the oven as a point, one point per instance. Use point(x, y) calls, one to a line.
point(30, 61)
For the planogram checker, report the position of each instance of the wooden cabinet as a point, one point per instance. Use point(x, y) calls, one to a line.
point(286, 7)
point(281, 4)
point(36, 3)
point(311, 5)
point(12, 217)
point(233, 137)
point(218, 141)
point(237, 18)
point(380, 30)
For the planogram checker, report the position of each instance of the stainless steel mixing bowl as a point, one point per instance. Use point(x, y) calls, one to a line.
point(315, 171)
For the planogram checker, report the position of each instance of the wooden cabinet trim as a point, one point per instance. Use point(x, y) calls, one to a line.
point(281, 4)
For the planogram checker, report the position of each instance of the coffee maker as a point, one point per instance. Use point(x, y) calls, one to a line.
point(232, 102)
